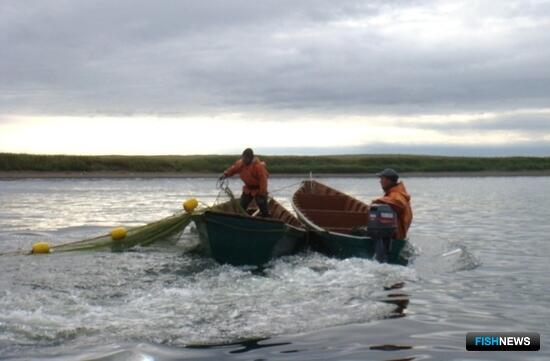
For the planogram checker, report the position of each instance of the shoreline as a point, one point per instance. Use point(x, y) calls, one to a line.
point(14, 175)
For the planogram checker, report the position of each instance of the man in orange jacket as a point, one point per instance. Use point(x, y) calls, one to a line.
point(396, 196)
point(254, 174)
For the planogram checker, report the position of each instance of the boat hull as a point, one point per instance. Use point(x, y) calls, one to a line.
point(243, 240)
point(345, 246)
point(332, 218)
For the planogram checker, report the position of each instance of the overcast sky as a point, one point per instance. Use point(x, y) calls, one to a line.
point(303, 77)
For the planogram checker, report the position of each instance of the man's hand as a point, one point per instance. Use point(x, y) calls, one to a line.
point(222, 177)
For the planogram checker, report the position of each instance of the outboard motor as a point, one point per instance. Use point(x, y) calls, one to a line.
point(381, 228)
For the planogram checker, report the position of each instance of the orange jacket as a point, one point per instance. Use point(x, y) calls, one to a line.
point(253, 175)
point(398, 198)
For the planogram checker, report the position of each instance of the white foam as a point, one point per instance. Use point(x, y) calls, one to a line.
point(215, 304)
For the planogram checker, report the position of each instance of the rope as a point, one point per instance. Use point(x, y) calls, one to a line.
point(285, 187)
point(223, 185)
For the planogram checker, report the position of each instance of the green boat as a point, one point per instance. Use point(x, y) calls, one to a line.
point(229, 235)
point(333, 218)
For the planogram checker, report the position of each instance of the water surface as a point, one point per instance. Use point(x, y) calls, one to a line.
point(166, 303)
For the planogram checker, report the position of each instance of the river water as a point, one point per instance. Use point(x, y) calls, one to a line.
point(482, 264)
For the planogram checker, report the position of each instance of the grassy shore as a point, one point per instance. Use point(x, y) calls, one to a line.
point(207, 164)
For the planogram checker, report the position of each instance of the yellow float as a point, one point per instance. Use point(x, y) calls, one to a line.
point(40, 248)
point(118, 233)
point(190, 205)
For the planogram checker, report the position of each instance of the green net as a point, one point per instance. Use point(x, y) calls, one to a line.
point(163, 229)
point(136, 236)
point(226, 200)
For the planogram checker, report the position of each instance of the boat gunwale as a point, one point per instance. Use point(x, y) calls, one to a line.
point(303, 228)
point(267, 220)
point(318, 229)
point(309, 222)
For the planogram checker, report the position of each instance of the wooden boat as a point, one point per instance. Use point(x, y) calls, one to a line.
point(231, 236)
point(333, 218)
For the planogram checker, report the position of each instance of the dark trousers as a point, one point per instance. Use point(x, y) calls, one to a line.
point(261, 201)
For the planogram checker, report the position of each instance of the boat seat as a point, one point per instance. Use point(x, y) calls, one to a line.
point(325, 201)
point(280, 213)
point(330, 202)
point(339, 219)
point(339, 229)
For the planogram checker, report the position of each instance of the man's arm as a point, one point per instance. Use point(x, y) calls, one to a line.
point(395, 202)
point(234, 169)
point(263, 175)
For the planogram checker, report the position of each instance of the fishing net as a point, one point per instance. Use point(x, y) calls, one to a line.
point(163, 229)
point(137, 236)
point(226, 200)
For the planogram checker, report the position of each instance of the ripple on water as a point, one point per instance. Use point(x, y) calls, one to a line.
point(182, 299)
point(126, 305)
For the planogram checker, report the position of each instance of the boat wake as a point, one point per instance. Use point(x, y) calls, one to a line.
point(188, 300)
point(164, 294)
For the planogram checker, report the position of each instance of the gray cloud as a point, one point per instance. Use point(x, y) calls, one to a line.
point(204, 57)
point(534, 124)
point(539, 123)
point(538, 149)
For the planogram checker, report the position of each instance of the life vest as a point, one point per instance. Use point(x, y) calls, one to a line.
point(398, 198)
point(254, 175)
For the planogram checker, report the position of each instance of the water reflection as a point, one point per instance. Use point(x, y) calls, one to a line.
point(244, 346)
point(400, 300)
point(390, 347)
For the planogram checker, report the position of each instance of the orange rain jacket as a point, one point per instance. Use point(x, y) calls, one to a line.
point(253, 175)
point(398, 198)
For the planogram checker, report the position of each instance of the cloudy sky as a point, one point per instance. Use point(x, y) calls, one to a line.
point(284, 77)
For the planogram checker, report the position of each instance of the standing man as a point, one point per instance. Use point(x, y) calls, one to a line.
point(254, 174)
point(396, 196)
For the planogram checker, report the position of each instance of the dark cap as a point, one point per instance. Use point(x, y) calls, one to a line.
point(388, 172)
point(248, 153)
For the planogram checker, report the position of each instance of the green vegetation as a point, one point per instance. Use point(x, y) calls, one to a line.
point(276, 164)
